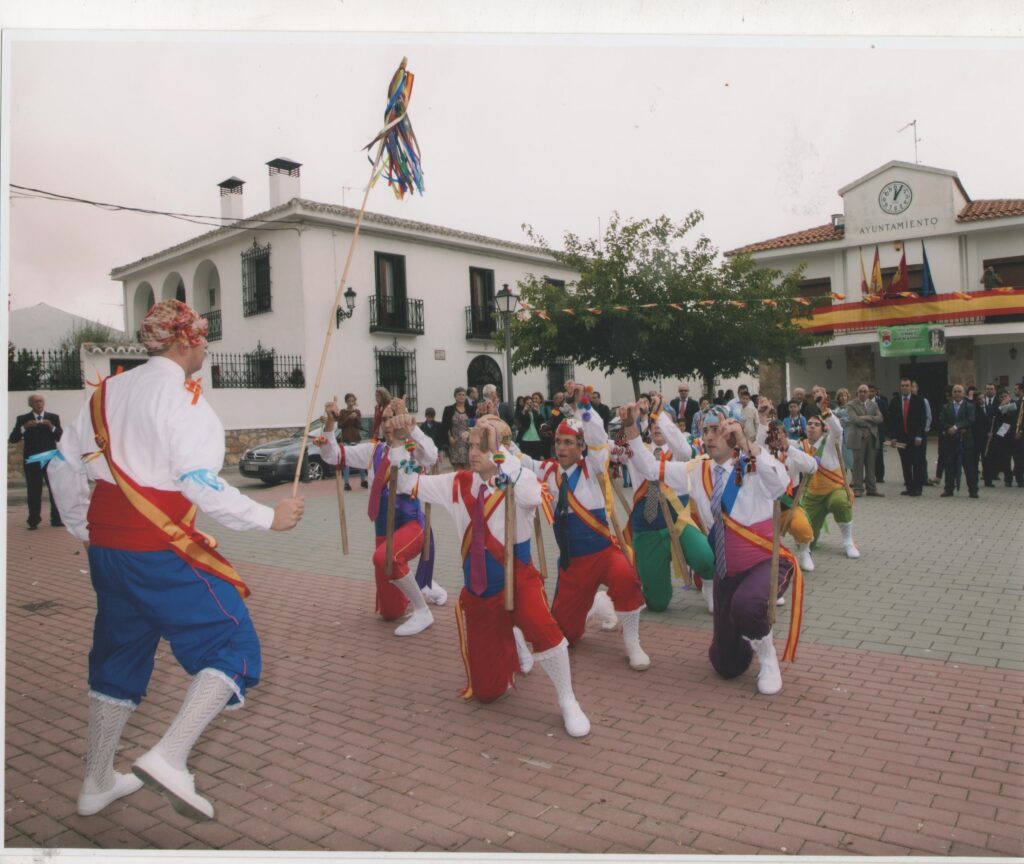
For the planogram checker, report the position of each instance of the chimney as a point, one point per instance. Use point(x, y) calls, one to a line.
point(231, 200)
point(284, 181)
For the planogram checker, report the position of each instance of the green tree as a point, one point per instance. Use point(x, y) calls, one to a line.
point(90, 331)
point(642, 306)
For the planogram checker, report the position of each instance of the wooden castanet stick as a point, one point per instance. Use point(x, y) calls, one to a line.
point(510, 547)
point(773, 574)
point(389, 540)
point(425, 556)
point(341, 510)
point(678, 559)
point(542, 558)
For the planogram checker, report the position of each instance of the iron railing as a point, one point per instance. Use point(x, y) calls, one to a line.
point(214, 333)
point(259, 369)
point(256, 297)
point(43, 370)
point(481, 322)
point(390, 314)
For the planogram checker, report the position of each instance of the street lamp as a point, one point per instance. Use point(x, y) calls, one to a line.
point(341, 314)
point(506, 302)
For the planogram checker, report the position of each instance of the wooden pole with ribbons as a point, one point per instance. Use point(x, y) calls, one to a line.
point(773, 574)
point(397, 116)
point(341, 511)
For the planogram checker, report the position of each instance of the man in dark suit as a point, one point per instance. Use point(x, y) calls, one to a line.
point(603, 411)
point(883, 406)
point(906, 427)
point(1017, 432)
point(683, 406)
point(956, 426)
point(40, 430)
point(988, 422)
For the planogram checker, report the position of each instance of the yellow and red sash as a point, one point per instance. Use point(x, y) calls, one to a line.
point(797, 607)
point(824, 480)
point(585, 516)
point(192, 545)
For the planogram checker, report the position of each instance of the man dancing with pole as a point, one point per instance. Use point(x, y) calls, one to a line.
point(734, 494)
point(477, 501)
point(154, 448)
point(397, 588)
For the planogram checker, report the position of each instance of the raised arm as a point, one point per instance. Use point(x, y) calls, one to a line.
point(674, 437)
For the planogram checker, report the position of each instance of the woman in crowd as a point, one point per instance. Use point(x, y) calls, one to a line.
point(842, 412)
point(528, 423)
point(350, 422)
point(455, 423)
point(382, 396)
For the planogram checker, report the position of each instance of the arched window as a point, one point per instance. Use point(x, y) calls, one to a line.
point(483, 370)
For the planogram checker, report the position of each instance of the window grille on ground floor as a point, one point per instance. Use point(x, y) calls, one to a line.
point(43, 370)
point(396, 370)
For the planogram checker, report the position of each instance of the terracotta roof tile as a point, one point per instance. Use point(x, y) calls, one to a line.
point(820, 234)
point(993, 208)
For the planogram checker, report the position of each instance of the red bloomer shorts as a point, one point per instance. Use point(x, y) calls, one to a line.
point(578, 585)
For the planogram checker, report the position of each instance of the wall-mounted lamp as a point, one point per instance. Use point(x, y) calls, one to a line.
point(1013, 352)
point(828, 362)
point(350, 307)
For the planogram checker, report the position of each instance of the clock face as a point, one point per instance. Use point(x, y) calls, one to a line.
point(895, 197)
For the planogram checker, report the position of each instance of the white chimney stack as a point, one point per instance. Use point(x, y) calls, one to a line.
point(231, 200)
point(284, 181)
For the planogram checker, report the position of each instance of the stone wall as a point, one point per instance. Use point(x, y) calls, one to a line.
point(960, 360)
point(771, 380)
point(860, 366)
point(236, 442)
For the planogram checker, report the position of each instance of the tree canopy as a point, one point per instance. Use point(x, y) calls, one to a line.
point(647, 304)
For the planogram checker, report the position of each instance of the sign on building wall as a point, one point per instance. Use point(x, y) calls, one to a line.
point(908, 340)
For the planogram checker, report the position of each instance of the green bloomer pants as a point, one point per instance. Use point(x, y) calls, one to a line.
point(818, 507)
point(654, 562)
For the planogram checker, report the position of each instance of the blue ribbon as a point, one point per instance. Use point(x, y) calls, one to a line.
point(204, 476)
point(43, 459)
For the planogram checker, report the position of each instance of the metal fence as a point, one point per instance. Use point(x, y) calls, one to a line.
point(259, 369)
point(43, 370)
point(389, 314)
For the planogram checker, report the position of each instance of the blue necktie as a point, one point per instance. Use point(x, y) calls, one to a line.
point(716, 513)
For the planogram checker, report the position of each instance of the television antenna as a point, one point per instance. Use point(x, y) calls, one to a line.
point(912, 123)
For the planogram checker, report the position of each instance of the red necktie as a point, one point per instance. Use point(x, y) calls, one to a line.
point(477, 546)
point(906, 411)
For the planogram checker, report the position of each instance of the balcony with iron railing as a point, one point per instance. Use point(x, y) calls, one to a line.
point(389, 314)
point(481, 322)
point(214, 333)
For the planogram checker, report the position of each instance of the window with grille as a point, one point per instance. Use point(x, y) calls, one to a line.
point(558, 373)
point(256, 280)
point(396, 370)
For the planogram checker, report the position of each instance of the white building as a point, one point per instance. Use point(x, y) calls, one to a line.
point(423, 320)
point(907, 209)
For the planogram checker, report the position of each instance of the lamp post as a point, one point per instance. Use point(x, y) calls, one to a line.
point(350, 303)
point(506, 302)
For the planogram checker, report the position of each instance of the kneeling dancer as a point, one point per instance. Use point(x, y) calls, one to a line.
point(827, 490)
point(400, 589)
point(154, 448)
point(589, 553)
point(734, 493)
point(477, 501)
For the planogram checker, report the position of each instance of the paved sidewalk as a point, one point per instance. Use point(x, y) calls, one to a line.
point(897, 732)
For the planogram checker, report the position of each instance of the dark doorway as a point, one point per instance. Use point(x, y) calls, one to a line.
point(932, 381)
point(483, 370)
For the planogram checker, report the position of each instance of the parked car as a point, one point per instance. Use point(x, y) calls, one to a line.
point(274, 462)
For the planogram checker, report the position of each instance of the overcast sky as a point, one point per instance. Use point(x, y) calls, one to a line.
point(558, 132)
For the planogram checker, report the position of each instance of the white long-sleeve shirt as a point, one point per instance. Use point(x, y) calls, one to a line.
point(830, 454)
point(437, 489)
point(797, 461)
point(157, 437)
point(754, 501)
point(588, 490)
point(675, 439)
point(360, 456)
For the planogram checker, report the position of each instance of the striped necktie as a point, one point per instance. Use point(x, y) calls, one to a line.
point(651, 501)
point(716, 513)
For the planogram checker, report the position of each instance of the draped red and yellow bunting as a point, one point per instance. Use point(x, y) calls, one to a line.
point(908, 307)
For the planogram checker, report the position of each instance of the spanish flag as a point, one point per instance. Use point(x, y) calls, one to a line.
point(876, 277)
point(900, 280)
point(864, 290)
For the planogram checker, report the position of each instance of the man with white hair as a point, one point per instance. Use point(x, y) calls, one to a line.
point(504, 410)
point(154, 448)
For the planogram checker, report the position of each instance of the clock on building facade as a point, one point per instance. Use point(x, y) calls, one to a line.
point(895, 197)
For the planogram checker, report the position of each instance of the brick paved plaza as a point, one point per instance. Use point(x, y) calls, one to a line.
point(897, 732)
